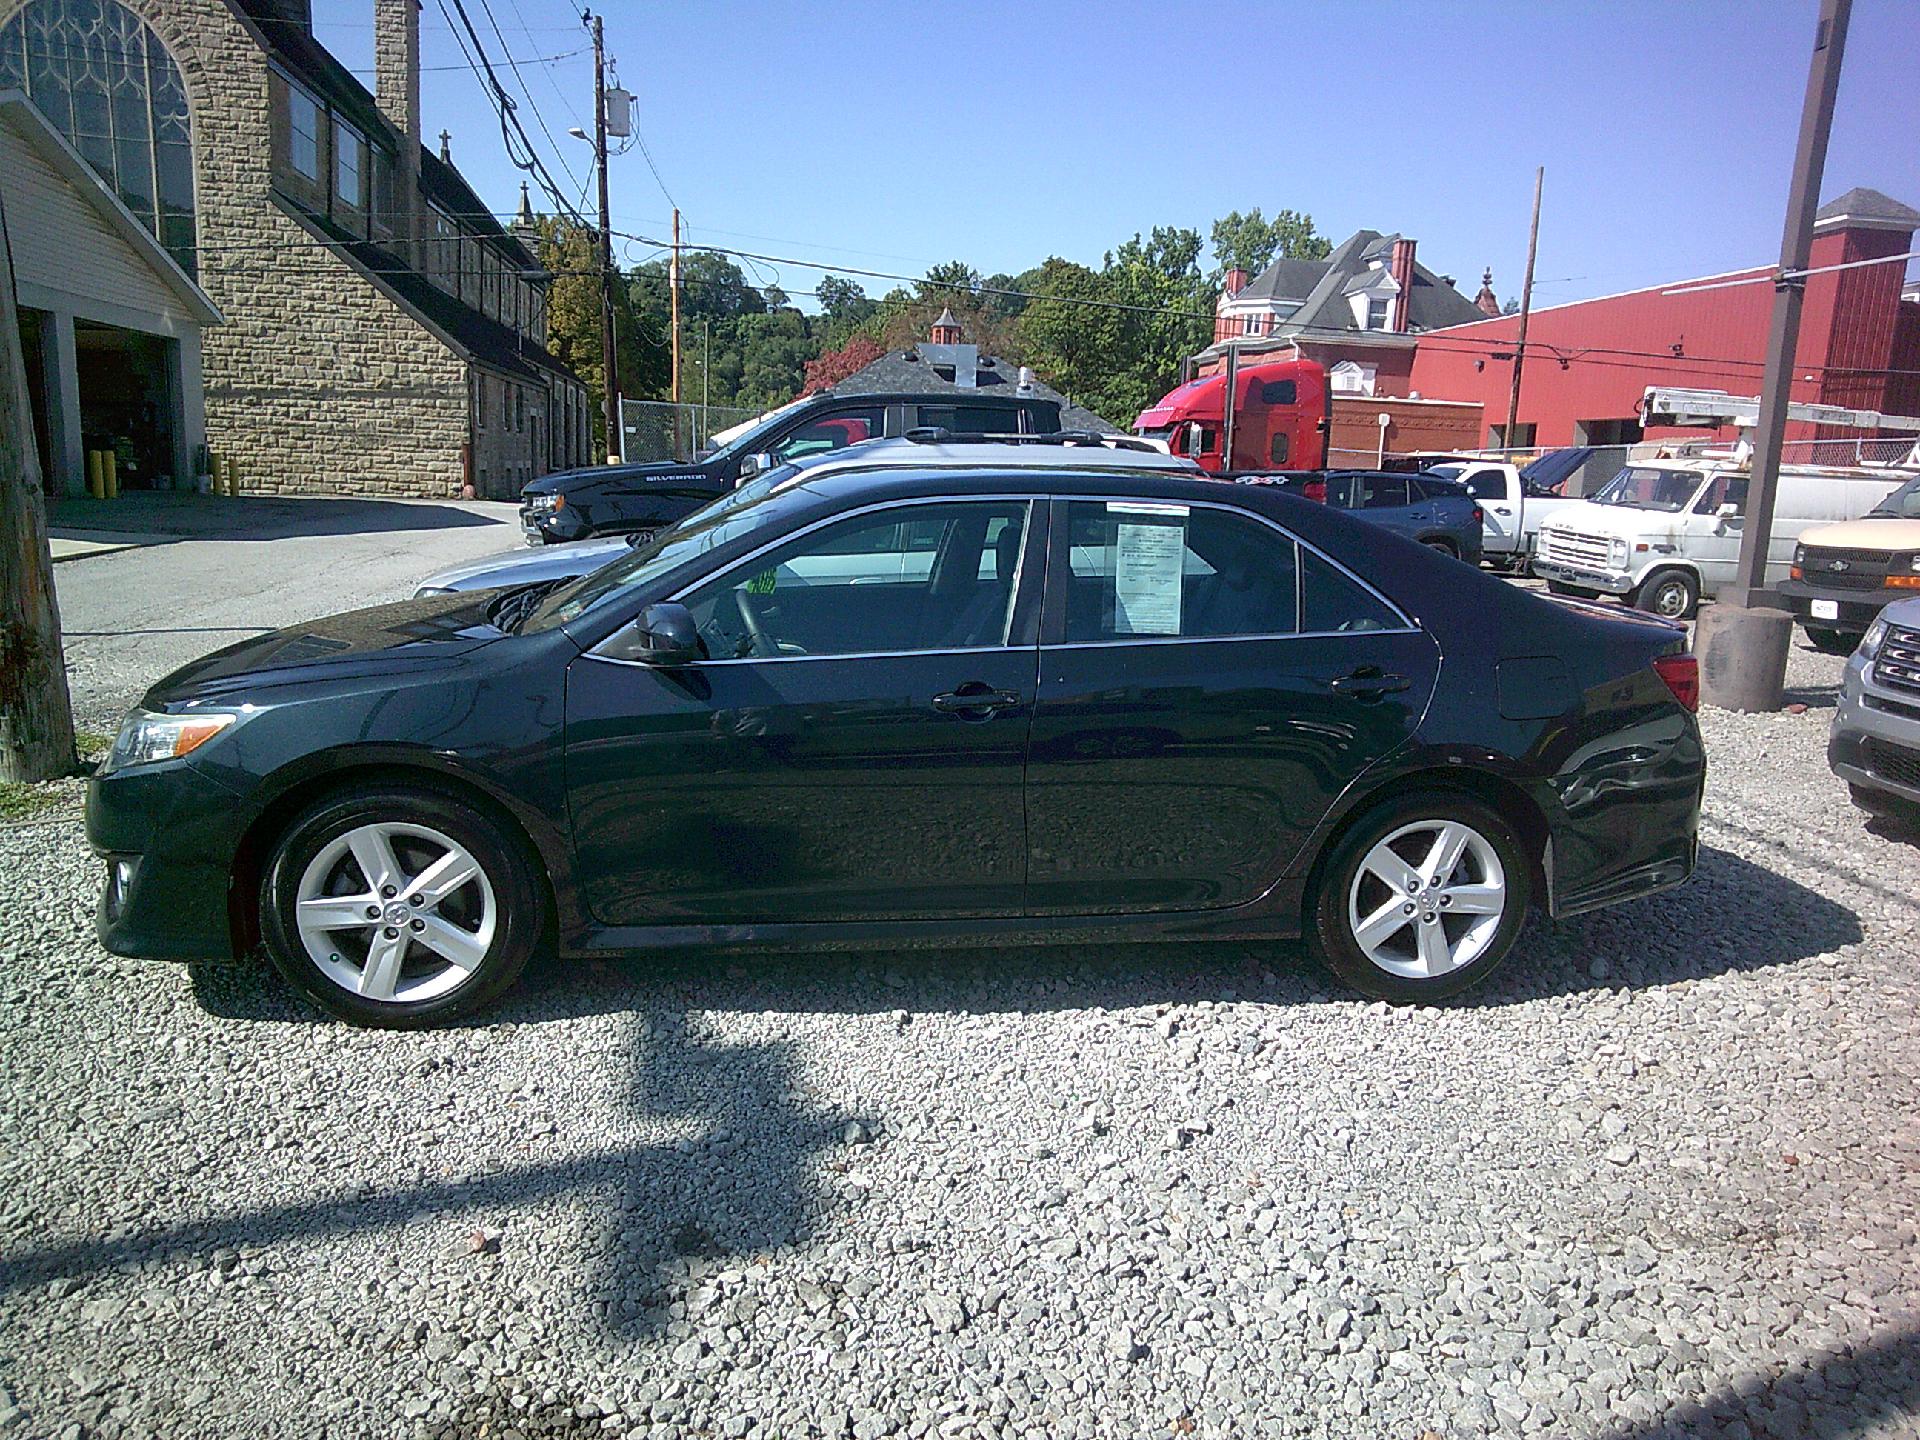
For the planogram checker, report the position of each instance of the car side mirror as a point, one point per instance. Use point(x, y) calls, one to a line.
point(664, 635)
point(756, 464)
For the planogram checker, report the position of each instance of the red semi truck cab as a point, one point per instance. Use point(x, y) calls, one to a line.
point(1279, 418)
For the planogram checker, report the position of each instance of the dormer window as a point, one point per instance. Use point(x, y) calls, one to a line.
point(1377, 306)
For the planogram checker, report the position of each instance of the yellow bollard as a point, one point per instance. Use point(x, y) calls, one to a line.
point(96, 481)
point(110, 464)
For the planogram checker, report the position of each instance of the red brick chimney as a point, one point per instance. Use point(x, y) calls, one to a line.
point(1486, 302)
point(1236, 281)
point(1400, 266)
point(946, 330)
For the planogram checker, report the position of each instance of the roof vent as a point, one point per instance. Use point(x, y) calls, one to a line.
point(1026, 379)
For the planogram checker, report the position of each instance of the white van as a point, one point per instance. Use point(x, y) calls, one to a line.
point(1663, 534)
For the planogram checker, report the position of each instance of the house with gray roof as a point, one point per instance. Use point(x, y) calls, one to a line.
point(944, 363)
point(1358, 312)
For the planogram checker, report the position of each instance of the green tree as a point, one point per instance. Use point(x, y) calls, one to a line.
point(572, 254)
point(1072, 345)
point(950, 280)
point(1169, 317)
point(1251, 242)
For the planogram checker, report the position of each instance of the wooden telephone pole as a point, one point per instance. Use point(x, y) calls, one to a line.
point(611, 395)
point(36, 718)
point(1526, 311)
point(673, 286)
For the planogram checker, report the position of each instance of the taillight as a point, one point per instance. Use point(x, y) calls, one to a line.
point(1315, 490)
point(1479, 515)
point(1682, 674)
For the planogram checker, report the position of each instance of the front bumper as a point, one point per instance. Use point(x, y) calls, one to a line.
point(169, 835)
point(1851, 611)
point(551, 527)
point(1607, 582)
point(1875, 739)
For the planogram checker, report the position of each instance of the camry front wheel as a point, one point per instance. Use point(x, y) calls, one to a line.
point(399, 908)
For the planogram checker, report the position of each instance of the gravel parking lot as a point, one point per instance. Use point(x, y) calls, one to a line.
point(1659, 1179)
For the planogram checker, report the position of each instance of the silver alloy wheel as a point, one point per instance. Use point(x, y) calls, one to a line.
point(1428, 899)
point(1669, 599)
point(396, 912)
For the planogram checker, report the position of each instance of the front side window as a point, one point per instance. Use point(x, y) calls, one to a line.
point(904, 579)
point(102, 78)
point(1723, 489)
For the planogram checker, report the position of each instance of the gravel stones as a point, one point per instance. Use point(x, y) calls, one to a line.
point(1659, 1178)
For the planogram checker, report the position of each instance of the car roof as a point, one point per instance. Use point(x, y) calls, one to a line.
point(1039, 453)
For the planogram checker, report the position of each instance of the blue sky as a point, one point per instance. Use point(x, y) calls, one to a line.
point(895, 135)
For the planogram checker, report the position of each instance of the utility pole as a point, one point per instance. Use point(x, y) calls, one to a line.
point(1742, 640)
point(611, 395)
point(1526, 310)
point(36, 717)
point(1227, 395)
point(706, 378)
point(673, 287)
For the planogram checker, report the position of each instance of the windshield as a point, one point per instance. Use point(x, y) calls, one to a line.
point(734, 514)
point(1902, 504)
point(1644, 487)
point(747, 441)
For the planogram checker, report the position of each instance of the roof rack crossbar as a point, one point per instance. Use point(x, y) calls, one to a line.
point(941, 435)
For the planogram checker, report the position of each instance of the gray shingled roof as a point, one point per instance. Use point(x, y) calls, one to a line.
point(905, 372)
point(1433, 304)
point(1861, 203)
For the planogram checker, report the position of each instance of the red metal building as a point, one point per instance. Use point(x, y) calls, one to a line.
point(1589, 362)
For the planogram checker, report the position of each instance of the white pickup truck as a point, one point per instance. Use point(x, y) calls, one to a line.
point(1514, 504)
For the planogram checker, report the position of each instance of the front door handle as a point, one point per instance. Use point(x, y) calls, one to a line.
point(975, 700)
point(1369, 682)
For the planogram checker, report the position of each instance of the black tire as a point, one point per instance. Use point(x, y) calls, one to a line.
point(1443, 545)
point(1560, 587)
point(1670, 594)
point(1831, 642)
point(1331, 931)
point(519, 901)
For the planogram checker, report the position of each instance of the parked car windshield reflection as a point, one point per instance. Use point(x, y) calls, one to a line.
point(734, 514)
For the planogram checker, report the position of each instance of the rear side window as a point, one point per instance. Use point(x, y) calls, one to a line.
point(974, 419)
point(1143, 570)
point(1383, 492)
point(1279, 392)
point(1332, 601)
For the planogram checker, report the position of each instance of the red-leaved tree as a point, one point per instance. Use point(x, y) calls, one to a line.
point(833, 366)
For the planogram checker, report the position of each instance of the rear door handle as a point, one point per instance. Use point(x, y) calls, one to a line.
point(1369, 683)
point(975, 701)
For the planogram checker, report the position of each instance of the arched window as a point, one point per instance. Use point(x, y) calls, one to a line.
point(103, 79)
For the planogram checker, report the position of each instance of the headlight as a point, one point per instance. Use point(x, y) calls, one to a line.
point(426, 590)
point(545, 504)
point(1870, 642)
point(146, 737)
point(1617, 552)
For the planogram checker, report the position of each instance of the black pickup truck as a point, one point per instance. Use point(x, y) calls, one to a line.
point(621, 499)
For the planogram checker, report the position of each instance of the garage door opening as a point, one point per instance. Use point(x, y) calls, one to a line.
point(127, 404)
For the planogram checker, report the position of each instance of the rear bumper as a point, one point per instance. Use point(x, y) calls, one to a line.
point(168, 835)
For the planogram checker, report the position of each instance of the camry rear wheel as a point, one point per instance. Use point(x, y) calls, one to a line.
point(399, 907)
point(1421, 898)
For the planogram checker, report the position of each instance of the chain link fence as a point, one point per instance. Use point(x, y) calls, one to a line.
point(650, 432)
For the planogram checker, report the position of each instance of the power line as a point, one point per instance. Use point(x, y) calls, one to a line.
point(506, 52)
point(503, 103)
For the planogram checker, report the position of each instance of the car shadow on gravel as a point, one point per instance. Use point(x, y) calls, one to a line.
point(1871, 1388)
point(1732, 916)
point(739, 1180)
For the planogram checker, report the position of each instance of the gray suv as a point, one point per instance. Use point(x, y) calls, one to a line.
point(1875, 742)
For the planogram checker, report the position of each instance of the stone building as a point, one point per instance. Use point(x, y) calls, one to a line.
point(380, 331)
